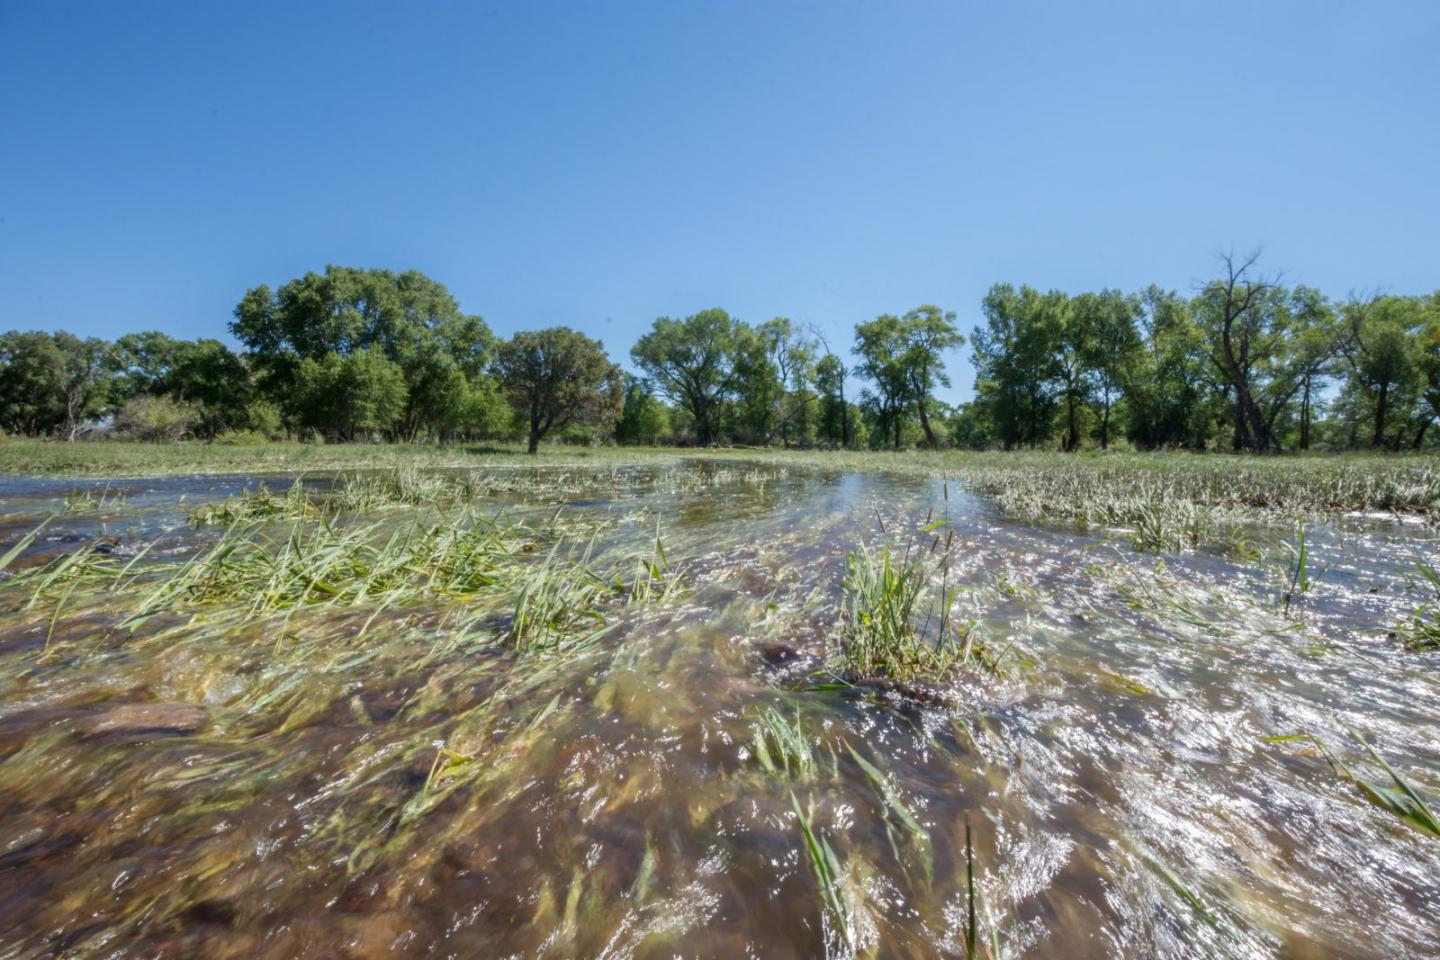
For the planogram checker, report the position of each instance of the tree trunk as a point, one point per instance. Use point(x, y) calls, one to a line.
point(1378, 440)
point(1305, 416)
point(1072, 429)
point(930, 438)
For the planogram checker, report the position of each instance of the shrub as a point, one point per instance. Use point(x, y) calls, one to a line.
point(155, 419)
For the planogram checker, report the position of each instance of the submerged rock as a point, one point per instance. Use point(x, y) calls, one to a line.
point(150, 719)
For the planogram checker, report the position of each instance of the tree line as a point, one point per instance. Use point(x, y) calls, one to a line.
point(1246, 363)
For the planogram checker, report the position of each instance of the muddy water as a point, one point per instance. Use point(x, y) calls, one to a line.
point(271, 789)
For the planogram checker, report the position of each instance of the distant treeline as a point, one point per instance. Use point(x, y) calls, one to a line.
point(1246, 364)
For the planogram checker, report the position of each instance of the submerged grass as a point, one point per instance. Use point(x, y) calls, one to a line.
point(479, 564)
point(781, 746)
point(829, 875)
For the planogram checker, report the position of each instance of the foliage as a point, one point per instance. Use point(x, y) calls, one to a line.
point(556, 377)
point(691, 362)
point(155, 419)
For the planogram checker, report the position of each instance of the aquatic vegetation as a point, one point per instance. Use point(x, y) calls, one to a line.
point(257, 505)
point(503, 723)
point(886, 597)
point(781, 746)
point(1421, 630)
point(829, 876)
point(897, 813)
point(1398, 797)
point(1299, 568)
point(86, 500)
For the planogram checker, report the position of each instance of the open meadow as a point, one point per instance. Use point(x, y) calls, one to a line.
point(285, 700)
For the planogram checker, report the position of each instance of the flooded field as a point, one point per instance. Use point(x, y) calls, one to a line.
point(648, 711)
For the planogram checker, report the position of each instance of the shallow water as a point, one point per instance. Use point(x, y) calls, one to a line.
point(1119, 792)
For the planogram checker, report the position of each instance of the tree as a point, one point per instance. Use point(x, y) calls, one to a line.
point(691, 362)
point(755, 388)
point(556, 377)
point(1246, 332)
point(792, 354)
point(1072, 353)
point(1428, 367)
point(880, 345)
point(1015, 367)
point(1381, 353)
point(412, 321)
point(929, 333)
point(1109, 342)
point(829, 377)
point(87, 366)
point(31, 370)
point(643, 418)
point(343, 396)
point(1168, 381)
point(1316, 343)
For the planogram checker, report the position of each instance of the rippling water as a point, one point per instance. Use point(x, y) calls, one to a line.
point(1121, 795)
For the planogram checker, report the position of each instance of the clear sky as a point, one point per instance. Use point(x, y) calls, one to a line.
point(601, 164)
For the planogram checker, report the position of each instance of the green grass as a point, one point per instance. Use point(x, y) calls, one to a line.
point(1421, 631)
point(898, 625)
point(781, 747)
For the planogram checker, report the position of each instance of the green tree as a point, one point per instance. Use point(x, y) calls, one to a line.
point(929, 334)
point(1109, 343)
point(412, 320)
point(87, 368)
point(31, 370)
point(880, 344)
point(643, 418)
point(1169, 382)
point(792, 355)
point(755, 386)
point(557, 377)
point(1246, 322)
point(1315, 347)
point(691, 362)
point(345, 395)
point(834, 421)
point(1015, 368)
point(1381, 348)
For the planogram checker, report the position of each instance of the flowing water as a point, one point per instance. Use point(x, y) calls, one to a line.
point(361, 781)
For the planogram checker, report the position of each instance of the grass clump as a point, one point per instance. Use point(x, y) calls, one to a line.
point(253, 506)
point(887, 604)
point(1421, 631)
point(781, 747)
point(87, 501)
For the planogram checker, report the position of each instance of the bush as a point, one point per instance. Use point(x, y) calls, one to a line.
point(265, 421)
point(155, 420)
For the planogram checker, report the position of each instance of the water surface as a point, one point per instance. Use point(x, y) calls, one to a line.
point(1121, 795)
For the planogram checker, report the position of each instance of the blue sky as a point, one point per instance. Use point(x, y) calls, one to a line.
point(601, 164)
